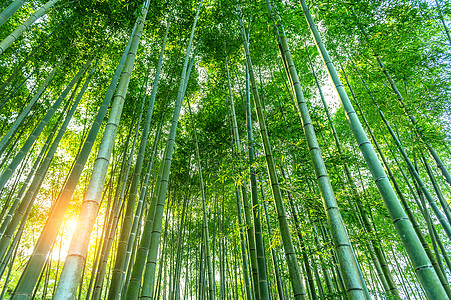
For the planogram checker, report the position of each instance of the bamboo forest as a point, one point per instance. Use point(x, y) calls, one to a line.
point(225, 149)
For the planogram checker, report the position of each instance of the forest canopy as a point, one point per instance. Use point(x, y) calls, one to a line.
point(225, 149)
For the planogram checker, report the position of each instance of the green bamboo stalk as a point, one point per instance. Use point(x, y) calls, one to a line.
point(246, 205)
point(249, 291)
point(10, 10)
point(73, 266)
point(376, 249)
point(438, 214)
point(247, 286)
point(243, 187)
point(354, 285)
point(211, 282)
point(428, 196)
point(25, 26)
point(116, 209)
point(326, 275)
point(250, 239)
point(302, 243)
point(419, 259)
point(442, 18)
point(273, 250)
point(407, 110)
point(13, 92)
point(10, 256)
point(179, 249)
point(16, 71)
point(23, 189)
point(403, 200)
point(149, 274)
point(12, 142)
point(415, 224)
point(293, 267)
point(29, 276)
point(42, 124)
point(436, 187)
point(129, 229)
point(132, 215)
point(29, 197)
point(163, 258)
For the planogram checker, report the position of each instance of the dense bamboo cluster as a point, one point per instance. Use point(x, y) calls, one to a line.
point(225, 149)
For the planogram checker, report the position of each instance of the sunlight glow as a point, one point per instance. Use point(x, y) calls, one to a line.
point(61, 246)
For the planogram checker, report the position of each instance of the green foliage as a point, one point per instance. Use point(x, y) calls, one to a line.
point(406, 35)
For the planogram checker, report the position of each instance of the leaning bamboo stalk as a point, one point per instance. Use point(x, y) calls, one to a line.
point(402, 198)
point(378, 258)
point(419, 259)
point(149, 274)
point(259, 243)
point(244, 192)
point(28, 279)
point(442, 19)
point(30, 176)
point(30, 195)
point(293, 267)
point(30, 104)
point(13, 92)
point(273, 250)
point(42, 124)
point(25, 26)
point(10, 10)
point(129, 225)
point(73, 266)
point(114, 215)
point(407, 111)
point(355, 286)
point(16, 71)
point(204, 212)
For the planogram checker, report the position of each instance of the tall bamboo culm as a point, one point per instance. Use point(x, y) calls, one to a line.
point(293, 266)
point(353, 282)
point(74, 263)
point(149, 274)
point(418, 257)
point(33, 268)
point(138, 266)
point(10, 10)
point(25, 26)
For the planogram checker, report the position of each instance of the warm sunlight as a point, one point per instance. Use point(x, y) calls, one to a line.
point(61, 246)
point(225, 149)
